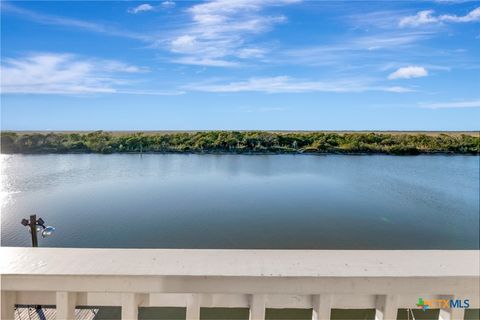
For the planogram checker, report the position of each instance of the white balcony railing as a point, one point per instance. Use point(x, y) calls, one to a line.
point(256, 279)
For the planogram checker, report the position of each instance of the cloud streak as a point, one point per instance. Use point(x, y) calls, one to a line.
point(49, 73)
point(145, 7)
point(220, 30)
point(353, 51)
point(452, 105)
point(428, 17)
point(285, 84)
point(218, 33)
point(168, 4)
point(74, 23)
point(408, 73)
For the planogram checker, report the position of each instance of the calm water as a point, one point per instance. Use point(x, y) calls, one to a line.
point(244, 201)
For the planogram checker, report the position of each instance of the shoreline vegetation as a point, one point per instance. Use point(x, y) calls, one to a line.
point(242, 142)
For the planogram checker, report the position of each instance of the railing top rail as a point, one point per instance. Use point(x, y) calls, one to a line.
point(242, 263)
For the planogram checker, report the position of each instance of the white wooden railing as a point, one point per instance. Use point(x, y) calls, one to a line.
point(256, 279)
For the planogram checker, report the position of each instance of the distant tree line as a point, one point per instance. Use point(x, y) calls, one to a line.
point(239, 142)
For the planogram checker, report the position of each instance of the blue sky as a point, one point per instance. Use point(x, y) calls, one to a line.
point(240, 64)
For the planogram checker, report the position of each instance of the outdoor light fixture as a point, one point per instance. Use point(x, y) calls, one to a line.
point(37, 225)
point(47, 231)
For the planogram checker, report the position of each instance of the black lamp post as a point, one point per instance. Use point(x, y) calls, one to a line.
point(35, 226)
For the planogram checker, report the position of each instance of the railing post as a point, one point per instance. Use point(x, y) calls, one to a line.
point(386, 307)
point(257, 307)
point(66, 302)
point(8, 305)
point(130, 302)
point(322, 306)
point(450, 313)
point(193, 307)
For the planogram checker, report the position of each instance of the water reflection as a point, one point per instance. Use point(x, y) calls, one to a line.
point(244, 201)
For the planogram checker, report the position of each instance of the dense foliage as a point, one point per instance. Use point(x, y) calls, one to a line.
point(239, 142)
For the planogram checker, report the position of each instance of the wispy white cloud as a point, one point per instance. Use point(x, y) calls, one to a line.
point(408, 72)
point(51, 73)
point(143, 92)
point(353, 52)
point(473, 15)
point(141, 8)
point(452, 104)
point(394, 65)
point(421, 18)
point(370, 43)
point(247, 53)
point(428, 17)
point(397, 89)
point(220, 29)
point(285, 84)
point(381, 19)
point(206, 62)
point(388, 40)
point(184, 43)
point(450, 1)
point(145, 7)
point(261, 109)
point(168, 4)
point(48, 19)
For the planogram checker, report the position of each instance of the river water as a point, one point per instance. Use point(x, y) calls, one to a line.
point(243, 201)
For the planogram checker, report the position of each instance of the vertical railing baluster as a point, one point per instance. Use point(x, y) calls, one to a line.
point(193, 307)
point(257, 307)
point(386, 307)
point(130, 303)
point(8, 305)
point(322, 305)
point(65, 302)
